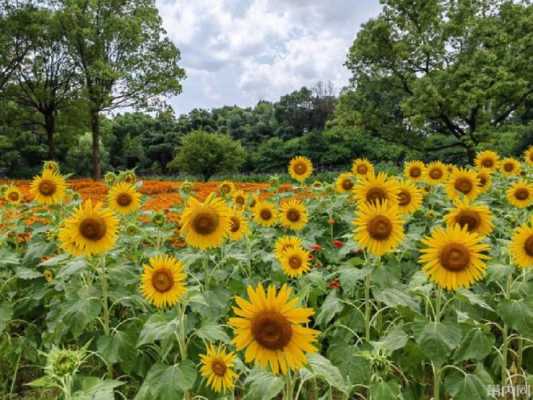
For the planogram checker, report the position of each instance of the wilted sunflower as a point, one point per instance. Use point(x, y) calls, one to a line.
point(409, 197)
point(436, 172)
point(484, 180)
point(13, 195)
point(284, 243)
point(300, 168)
point(123, 198)
point(293, 214)
point(463, 183)
point(204, 225)
point(295, 261)
point(362, 167)
point(510, 167)
point(239, 198)
point(345, 182)
point(217, 368)
point(265, 213)
point(528, 156)
point(378, 227)
point(520, 194)
point(376, 188)
point(239, 226)
point(521, 247)
point(453, 257)
point(270, 327)
point(48, 188)
point(475, 217)
point(226, 188)
point(487, 159)
point(414, 170)
point(163, 281)
point(90, 230)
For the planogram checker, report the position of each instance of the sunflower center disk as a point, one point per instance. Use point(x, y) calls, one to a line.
point(93, 228)
point(415, 172)
point(225, 189)
point(219, 368)
point(435, 173)
point(455, 257)
point(482, 181)
point(379, 228)
point(295, 262)
point(13, 196)
point(470, 219)
point(508, 167)
point(347, 184)
point(235, 224)
point(124, 199)
point(271, 330)
point(404, 198)
point(205, 223)
point(521, 194)
point(47, 188)
point(463, 185)
point(293, 215)
point(239, 200)
point(362, 169)
point(162, 280)
point(300, 169)
point(265, 214)
point(487, 163)
point(528, 246)
point(376, 195)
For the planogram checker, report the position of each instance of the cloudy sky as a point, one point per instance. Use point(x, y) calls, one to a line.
point(243, 51)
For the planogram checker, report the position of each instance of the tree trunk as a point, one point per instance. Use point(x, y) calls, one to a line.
point(95, 126)
point(50, 124)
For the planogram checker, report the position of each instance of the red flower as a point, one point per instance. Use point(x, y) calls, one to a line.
point(338, 244)
point(316, 247)
point(334, 284)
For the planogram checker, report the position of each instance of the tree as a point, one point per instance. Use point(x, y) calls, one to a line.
point(203, 153)
point(457, 69)
point(123, 54)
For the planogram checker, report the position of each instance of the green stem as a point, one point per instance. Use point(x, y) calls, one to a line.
point(289, 390)
point(505, 334)
point(367, 306)
point(436, 382)
point(106, 320)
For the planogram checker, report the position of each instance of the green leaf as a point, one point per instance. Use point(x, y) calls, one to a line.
point(465, 387)
point(263, 385)
point(157, 327)
point(27, 273)
point(395, 297)
point(518, 314)
point(211, 331)
point(165, 382)
point(350, 276)
point(385, 391)
point(54, 260)
point(438, 339)
point(475, 345)
point(473, 299)
point(323, 368)
point(330, 307)
point(72, 267)
point(93, 388)
point(6, 314)
point(395, 339)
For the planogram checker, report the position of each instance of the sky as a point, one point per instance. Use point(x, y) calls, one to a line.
point(237, 52)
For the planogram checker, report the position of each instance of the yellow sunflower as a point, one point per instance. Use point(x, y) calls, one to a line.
point(362, 167)
point(475, 217)
point(13, 195)
point(378, 227)
point(239, 198)
point(487, 159)
point(217, 368)
point(163, 281)
point(295, 261)
point(520, 194)
point(123, 198)
point(436, 172)
point(409, 197)
point(90, 230)
point(463, 183)
point(205, 225)
point(484, 180)
point(51, 166)
point(270, 326)
point(453, 257)
point(284, 243)
point(345, 182)
point(293, 214)
point(376, 188)
point(510, 167)
point(48, 188)
point(521, 247)
point(265, 213)
point(414, 170)
point(528, 156)
point(239, 226)
point(226, 188)
point(300, 168)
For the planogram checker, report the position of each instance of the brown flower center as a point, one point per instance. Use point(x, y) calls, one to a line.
point(225, 188)
point(239, 200)
point(347, 184)
point(300, 168)
point(219, 368)
point(47, 187)
point(362, 169)
point(205, 223)
point(463, 185)
point(235, 224)
point(528, 246)
point(436, 173)
point(404, 198)
point(487, 162)
point(162, 280)
point(271, 330)
point(508, 167)
point(415, 172)
point(265, 214)
point(93, 228)
point(293, 215)
point(295, 262)
point(379, 228)
point(13, 196)
point(376, 195)
point(468, 218)
point(531, 156)
point(455, 257)
point(521, 193)
point(482, 180)
point(124, 199)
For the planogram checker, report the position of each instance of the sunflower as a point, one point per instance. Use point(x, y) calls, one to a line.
point(300, 168)
point(90, 230)
point(295, 261)
point(484, 180)
point(436, 172)
point(409, 197)
point(510, 167)
point(345, 182)
point(48, 275)
point(284, 243)
point(204, 225)
point(226, 188)
point(293, 214)
point(239, 226)
point(487, 159)
point(217, 368)
point(376, 188)
point(362, 167)
point(528, 156)
point(163, 281)
point(123, 198)
point(463, 183)
point(270, 327)
point(475, 217)
point(13, 195)
point(521, 247)
point(51, 166)
point(453, 257)
point(378, 227)
point(48, 188)
point(520, 194)
point(239, 198)
point(265, 213)
point(414, 170)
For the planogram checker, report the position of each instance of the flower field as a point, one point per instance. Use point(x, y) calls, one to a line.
point(373, 286)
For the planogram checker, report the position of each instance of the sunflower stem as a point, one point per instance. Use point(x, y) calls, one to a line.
point(505, 334)
point(289, 390)
point(367, 306)
point(436, 382)
point(105, 306)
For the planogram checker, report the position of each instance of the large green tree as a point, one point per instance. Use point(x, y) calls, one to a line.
point(123, 54)
point(452, 71)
